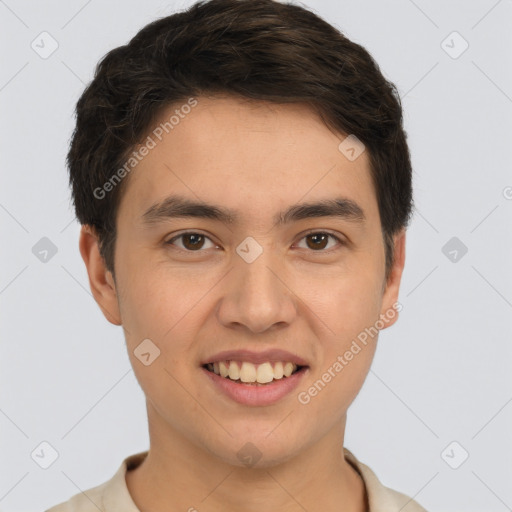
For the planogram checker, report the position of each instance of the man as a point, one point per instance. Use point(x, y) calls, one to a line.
point(243, 182)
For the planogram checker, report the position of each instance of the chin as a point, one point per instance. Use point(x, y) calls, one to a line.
point(257, 449)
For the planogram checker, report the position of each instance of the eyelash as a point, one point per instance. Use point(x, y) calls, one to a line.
point(314, 232)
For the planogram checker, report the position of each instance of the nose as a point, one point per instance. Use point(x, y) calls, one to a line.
point(256, 296)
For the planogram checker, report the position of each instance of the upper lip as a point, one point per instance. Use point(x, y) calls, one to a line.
point(250, 356)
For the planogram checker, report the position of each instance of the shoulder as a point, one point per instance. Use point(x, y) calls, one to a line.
point(110, 496)
point(380, 497)
point(400, 502)
point(87, 501)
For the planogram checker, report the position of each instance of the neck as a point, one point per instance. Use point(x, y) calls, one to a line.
point(180, 476)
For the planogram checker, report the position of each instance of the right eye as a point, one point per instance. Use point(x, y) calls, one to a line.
point(192, 241)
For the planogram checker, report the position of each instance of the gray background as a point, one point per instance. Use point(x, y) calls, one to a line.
point(441, 374)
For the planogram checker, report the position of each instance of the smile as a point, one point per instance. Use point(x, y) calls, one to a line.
point(249, 373)
point(256, 384)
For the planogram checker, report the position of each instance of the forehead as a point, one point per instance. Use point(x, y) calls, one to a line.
point(251, 156)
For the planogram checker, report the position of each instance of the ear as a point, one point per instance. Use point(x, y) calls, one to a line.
point(101, 280)
point(390, 305)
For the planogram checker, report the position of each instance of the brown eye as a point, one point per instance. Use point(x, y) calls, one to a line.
point(192, 241)
point(319, 240)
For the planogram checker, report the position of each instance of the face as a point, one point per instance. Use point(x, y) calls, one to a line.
point(246, 276)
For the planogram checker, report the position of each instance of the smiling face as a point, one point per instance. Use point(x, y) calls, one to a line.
point(249, 271)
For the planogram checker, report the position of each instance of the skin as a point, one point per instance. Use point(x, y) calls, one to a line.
point(255, 158)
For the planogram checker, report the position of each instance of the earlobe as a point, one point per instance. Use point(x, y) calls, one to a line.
point(100, 278)
point(390, 302)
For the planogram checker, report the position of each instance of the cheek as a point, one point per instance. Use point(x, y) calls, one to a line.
point(165, 311)
point(345, 305)
point(154, 309)
point(348, 309)
point(346, 355)
point(154, 301)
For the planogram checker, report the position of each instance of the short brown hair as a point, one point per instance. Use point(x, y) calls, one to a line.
point(258, 49)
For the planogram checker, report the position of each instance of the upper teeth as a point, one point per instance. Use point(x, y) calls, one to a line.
point(249, 372)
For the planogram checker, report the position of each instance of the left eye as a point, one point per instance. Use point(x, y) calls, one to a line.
point(193, 242)
point(319, 240)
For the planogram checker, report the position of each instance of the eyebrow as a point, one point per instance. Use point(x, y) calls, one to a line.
point(176, 206)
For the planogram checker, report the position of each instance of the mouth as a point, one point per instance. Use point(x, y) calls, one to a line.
point(253, 384)
point(245, 372)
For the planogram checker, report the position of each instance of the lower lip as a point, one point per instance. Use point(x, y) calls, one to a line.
point(251, 394)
